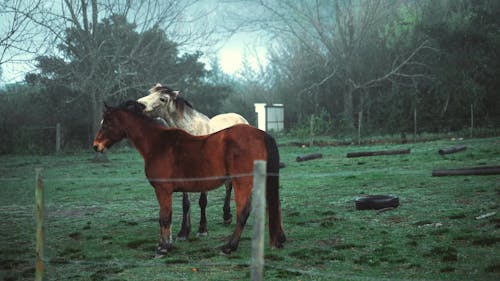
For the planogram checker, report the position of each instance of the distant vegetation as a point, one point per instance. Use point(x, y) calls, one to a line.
point(386, 63)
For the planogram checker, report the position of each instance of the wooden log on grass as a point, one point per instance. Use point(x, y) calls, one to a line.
point(471, 171)
point(309, 157)
point(376, 153)
point(453, 149)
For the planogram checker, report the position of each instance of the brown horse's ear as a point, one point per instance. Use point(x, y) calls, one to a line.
point(106, 106)
point(134, 106)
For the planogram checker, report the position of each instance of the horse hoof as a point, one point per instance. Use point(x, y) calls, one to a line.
point(182, 236)
point(159, 256)
point(161, 252)
point(202, 234)
point(227, 250)
point(278, 245)
point(282, 238)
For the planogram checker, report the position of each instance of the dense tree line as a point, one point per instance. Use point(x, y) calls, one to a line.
point(388, 62)
point(385, 59)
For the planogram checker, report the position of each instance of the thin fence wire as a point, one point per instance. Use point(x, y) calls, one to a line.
point(196, 179)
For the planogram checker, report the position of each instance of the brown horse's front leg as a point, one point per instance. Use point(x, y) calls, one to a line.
point(165, 219)
point(186, 217)
point(228, 217)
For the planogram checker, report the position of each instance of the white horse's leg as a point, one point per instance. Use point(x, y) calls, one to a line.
point(186, 218)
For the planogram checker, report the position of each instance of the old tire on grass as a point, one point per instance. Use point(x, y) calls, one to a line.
point(376, 202)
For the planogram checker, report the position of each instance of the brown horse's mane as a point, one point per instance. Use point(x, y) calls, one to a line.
point(134, 107)
point(180, 103)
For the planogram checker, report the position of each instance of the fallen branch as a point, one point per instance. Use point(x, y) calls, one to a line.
point(376, 153)
point(452, 149)
point(309, 157)
point(486, 215)
point(472, 171)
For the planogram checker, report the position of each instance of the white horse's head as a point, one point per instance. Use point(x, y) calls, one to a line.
point(160, 99)
point(177, 112)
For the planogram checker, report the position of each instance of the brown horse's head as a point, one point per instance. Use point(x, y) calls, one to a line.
point(111, 130)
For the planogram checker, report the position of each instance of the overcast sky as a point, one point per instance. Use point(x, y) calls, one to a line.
point(231, 50)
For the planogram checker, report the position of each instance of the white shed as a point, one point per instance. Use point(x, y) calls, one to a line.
point(270, 117)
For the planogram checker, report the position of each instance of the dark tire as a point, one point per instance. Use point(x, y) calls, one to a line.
point(376, 202)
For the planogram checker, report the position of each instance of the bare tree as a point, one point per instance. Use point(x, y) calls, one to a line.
point(83, 17)
point(17, 35)
point(338, 33)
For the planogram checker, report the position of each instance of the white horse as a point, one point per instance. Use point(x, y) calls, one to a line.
point(162, 102)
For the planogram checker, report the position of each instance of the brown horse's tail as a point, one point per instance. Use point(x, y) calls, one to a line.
point(276, 234)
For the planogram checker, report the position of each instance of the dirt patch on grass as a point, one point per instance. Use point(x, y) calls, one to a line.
point(486, 241)
point(316, 256)
point(139, 243)
point(75, 235)
point(103, 274)
point(71, 253)
point(446, 254)
point(494, 268)
point(73, 212)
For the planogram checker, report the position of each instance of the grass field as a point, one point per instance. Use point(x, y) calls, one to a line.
point(101, 219)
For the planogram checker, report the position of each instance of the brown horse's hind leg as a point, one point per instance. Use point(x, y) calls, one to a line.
point(202, 230)
point(186, 218)
point(165, 220)
point(228, 217)
point(242, 198)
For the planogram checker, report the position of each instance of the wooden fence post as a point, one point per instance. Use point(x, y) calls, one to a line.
point(39, 225)
point(311, 131)
point(360, 118)
point(259, 214)
point(471, 119)
point(58, 137)
point(415, 124)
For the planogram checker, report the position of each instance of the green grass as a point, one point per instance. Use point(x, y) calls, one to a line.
point(101, 219)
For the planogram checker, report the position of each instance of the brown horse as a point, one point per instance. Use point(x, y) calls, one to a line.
point(176, 161)
point(177, 112)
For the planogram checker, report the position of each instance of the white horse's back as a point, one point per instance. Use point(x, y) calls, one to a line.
point(226, 120)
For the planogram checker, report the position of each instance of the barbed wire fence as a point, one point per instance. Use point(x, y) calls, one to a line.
point(47, 224)
point(258, 207)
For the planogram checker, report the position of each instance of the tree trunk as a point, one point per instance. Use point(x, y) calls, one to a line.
point(96, 111)
point(348, 109)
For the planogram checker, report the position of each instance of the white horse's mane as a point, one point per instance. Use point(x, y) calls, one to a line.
point(178, 112)
point(175, 110)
